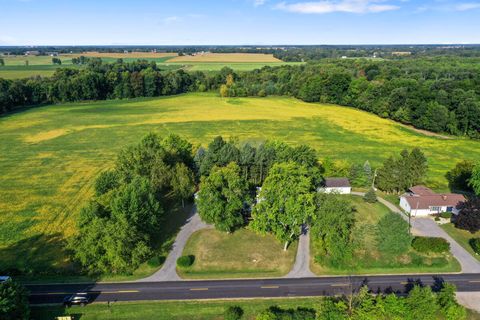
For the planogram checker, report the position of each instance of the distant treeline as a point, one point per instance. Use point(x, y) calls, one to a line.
point(440, 95)
point(283, 52)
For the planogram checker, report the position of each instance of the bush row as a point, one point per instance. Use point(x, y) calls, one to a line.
point(430, 244)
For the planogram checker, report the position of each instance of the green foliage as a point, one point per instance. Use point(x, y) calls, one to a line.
point(430, 245)
point(233, 313)
point(331, 228)
point(399, 174)
point(117, 230)
point(469, 216)
point(287, 202)
point(393, 235)
point(475, 244)
point(421, 304)
point(185, 261)
point(106, 181)
point(13, 301)
point(449, 306)
point(117, 238)
point(474, 180)
point(370, 196)
point(459, 177)
point(276, 313)
point(445, 215)
point(222, 197)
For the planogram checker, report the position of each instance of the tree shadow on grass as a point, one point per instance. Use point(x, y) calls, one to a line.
point(41, 256)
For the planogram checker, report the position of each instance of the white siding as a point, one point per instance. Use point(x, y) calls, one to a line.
point(340, 190)
point(404, 204)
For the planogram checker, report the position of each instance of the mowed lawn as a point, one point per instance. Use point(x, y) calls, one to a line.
point(49, 156)
point(241, 254)
point(463, 237)
point(369, 260)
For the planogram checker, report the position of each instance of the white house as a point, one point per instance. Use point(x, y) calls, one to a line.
point(336, 185)
point(422, 201)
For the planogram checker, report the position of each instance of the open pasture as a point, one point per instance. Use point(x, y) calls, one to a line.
point(50, 156)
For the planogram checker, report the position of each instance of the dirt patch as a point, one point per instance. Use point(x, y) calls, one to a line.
point(427, 133)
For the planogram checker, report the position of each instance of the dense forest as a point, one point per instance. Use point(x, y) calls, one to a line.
point(440, 95)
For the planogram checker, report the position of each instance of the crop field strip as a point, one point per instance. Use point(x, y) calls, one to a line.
point(49, 156)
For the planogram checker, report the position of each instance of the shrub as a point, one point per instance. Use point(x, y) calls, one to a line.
point(393, 234)
point(185, 261)
point(475, 244)
point(370, 196)
point(233, 313)
point(446, 215)
point(430, 244)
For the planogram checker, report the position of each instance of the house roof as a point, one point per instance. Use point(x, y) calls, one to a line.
point(421, 190)
point(336, 183)
point(433, 200)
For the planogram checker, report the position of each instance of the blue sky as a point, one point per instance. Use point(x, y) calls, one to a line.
point(228, 22)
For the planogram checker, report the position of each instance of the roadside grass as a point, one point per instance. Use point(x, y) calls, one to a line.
point(167, 310)
point(50, 155)
point(462, 237)
point(369, 260)
point(241, 254)
point(177, 310)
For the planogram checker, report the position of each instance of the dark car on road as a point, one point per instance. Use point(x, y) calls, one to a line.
point(80, 299)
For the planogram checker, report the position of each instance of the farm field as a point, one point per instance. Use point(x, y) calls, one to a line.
point(222, 255)
point(49, 156)
point(369, 260)
point(16, 68)
point(226, 57)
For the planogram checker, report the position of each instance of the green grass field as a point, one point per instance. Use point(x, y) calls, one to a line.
point(462, 237)
point(179, 310)
point(369, 260)
point(236, 255)
point(49, 156)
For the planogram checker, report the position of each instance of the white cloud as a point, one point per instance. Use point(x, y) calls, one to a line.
point(329, 6)
point(257, 3)
point(467, 6)
point(171, 19)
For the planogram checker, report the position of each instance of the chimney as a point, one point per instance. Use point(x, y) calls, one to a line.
point(444, 197)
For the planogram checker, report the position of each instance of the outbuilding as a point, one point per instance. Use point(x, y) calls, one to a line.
point(336, 185)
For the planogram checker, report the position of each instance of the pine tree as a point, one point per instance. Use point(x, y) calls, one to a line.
point(370, 196)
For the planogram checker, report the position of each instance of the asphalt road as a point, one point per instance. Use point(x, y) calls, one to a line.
point(223, 289)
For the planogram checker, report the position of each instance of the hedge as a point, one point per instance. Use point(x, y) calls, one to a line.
point(475, 244)
point(430, 244)
point(185, 261)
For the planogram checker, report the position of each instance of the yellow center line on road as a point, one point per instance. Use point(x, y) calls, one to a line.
point(404, 282)
point(198, 289)
point(128, 291)
point(269, 287)
point(51, 293)
point(474, 281)
point(339, 285)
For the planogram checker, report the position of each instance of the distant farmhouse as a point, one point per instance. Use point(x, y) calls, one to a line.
point(422, 201)
point(336, 185)
point(32, 53)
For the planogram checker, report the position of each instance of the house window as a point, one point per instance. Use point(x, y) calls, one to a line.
point(436, 209)
point(449, 209)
